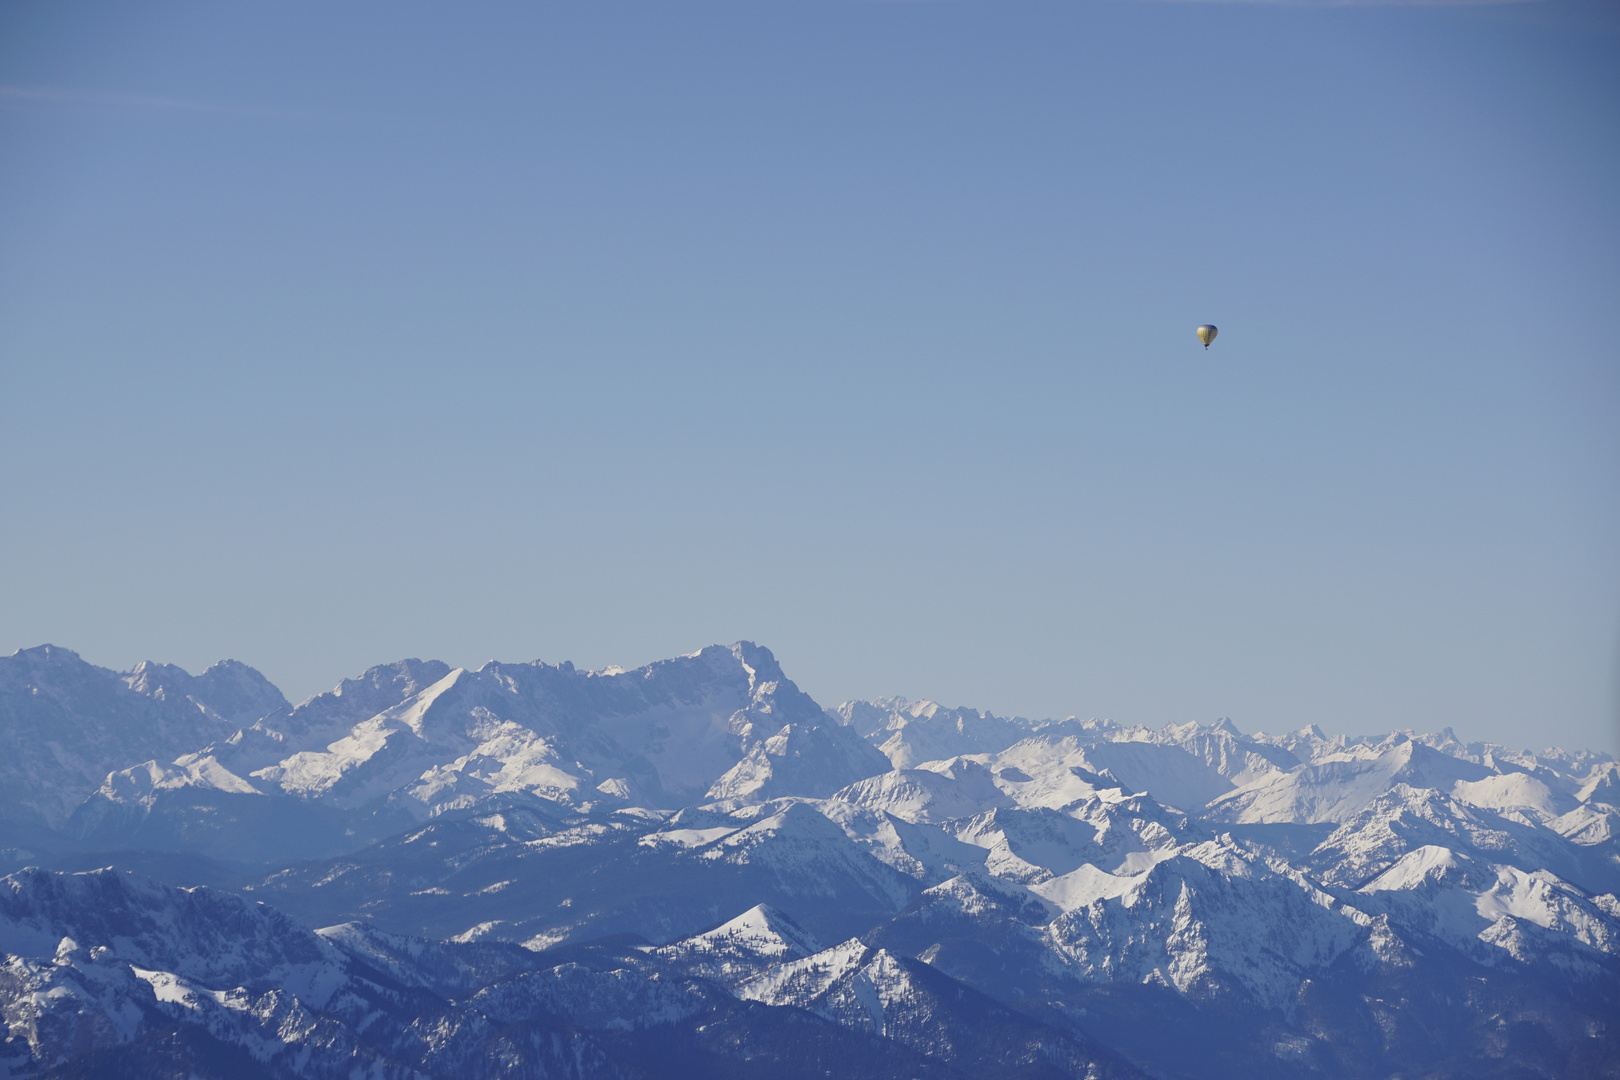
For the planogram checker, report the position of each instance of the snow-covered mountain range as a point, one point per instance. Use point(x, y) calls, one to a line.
point(693, 869)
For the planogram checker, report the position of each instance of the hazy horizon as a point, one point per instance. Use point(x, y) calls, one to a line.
point(828, 703)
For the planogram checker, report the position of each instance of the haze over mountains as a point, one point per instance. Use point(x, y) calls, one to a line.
point(694, 869)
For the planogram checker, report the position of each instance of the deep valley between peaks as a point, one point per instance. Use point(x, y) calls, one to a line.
point(693, 869)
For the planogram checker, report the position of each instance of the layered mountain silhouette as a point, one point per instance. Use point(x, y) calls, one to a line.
point(693, 869)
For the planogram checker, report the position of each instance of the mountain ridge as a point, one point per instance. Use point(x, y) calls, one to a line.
point(625, 869)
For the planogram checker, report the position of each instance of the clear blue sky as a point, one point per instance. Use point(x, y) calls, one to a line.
point(334, 333)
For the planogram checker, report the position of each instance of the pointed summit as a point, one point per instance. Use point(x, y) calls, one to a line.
point(764, 931)
point(742, 949)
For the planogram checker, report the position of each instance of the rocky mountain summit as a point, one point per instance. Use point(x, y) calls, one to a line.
point(693, 869)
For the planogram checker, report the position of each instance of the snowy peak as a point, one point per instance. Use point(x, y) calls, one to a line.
point(1340, 785)
point(66, 724)
point(1428, 865)
point(1514, 791)
point(769, 689)
point(944, 790)
point(353, 700)
point(141, 784)
point(1603, 786)
point(540, 849)
point(911, 732)
point(215, 938)
point(661, 735)
point(741, 949)
point(800, 759)
point(764, 931)
point(228, 690)
point(1224, 749)
point(1498, 914)
point(1169, 773)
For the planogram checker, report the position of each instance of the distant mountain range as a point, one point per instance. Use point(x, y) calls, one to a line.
point(693, 869)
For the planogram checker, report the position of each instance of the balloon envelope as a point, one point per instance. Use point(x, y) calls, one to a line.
point(1206, 334)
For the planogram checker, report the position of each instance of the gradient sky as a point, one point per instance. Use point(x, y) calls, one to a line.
point(334, 333)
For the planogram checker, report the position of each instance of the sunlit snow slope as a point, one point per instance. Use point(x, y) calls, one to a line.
point(693, 869)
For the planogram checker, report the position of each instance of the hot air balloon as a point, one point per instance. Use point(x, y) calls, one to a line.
point(1206, 334)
